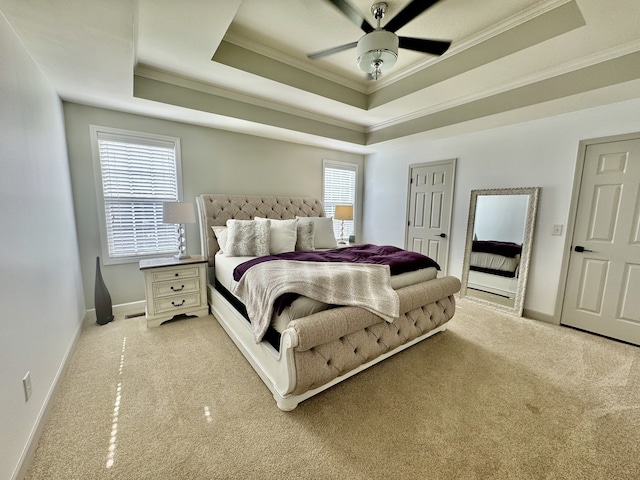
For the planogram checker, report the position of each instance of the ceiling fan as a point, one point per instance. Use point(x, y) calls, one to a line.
point(377, 49)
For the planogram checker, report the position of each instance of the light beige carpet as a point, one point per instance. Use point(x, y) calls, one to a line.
point(493, 397)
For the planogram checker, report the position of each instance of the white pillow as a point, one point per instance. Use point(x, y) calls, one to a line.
point(247, 238)
point(323, 236)
point(221, 236)
point(282, 236)
point(305, 232)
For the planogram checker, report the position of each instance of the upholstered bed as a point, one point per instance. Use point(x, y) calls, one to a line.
point(300, 357)
point(494, 267)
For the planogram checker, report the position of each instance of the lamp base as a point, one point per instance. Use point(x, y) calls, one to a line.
point(181, 256)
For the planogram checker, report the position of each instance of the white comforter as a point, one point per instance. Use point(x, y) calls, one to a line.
point(360, 285)
point(494, 261)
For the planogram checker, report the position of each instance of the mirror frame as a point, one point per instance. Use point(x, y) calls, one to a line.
point(525, 257)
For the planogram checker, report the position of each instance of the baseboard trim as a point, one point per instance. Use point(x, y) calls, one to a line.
point(89, 316)
point(543, 317)
point(122, 309)
point(34, 438)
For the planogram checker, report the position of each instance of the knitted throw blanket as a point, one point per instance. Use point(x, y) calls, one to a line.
point(358, 285)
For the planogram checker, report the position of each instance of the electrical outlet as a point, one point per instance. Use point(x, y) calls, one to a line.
point(26, 383)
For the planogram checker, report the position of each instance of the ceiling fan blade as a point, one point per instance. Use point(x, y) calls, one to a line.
point(331, 51)
point(434, 47)
point(353, 15)
point(408, 13)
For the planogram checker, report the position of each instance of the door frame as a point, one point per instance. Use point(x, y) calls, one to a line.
point(573, 212)
point(453, 163)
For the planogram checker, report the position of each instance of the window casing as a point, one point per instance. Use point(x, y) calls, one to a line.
point(135, 174)
point(339, 181)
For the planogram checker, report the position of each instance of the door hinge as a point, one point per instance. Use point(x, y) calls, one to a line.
point(411, 180)
point(409, 223)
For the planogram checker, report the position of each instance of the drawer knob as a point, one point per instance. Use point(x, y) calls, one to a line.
point(177, 289)
point(176, 274)
point(178, 304)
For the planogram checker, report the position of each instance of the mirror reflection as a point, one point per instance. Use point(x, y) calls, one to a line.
point(498, 246)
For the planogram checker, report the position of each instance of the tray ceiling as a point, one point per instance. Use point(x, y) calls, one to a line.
point(242, 64)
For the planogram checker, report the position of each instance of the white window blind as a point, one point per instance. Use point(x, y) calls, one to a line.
point(339, 188)
point(137, 175)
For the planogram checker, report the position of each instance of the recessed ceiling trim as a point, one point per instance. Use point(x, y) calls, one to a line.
point(611, 72)
point(559, 20)
point(579, 64)
point(464, 44)
point(533, 26)
point(279, 56)
point(171, 94)
point(243, 59)
point(623, 66)
point(166, 77)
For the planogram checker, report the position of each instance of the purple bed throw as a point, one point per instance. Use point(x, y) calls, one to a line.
point(399, 260)
point(506, 249)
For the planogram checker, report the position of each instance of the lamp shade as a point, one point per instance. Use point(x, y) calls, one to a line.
point(377, 52)
point(178, 212)
point(343, 212)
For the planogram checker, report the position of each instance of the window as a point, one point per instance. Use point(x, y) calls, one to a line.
point(135, 174)
point(339, 188)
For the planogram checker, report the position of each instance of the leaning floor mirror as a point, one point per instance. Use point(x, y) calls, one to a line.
point(498, 247)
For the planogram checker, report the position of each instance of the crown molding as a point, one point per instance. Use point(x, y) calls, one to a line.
point(507, 24)
point(578, 64)
point(510, 22)
point(277, 55)
point(181, 81)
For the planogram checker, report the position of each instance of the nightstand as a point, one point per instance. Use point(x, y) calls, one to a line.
point(174, 287)
point(348, 244)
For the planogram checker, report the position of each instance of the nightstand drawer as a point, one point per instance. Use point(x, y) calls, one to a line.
point(174, 273)
point(177, 303)
point(187, 285)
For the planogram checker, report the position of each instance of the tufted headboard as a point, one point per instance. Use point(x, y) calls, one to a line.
point(215, 209)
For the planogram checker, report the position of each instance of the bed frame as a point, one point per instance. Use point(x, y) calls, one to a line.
point(496, 284)
point(323, 349)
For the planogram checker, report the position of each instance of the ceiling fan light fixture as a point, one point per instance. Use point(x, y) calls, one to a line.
point(377, 52)
point(376, 69)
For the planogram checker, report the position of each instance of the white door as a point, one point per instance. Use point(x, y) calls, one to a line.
point(603, 284)
point(430, 194)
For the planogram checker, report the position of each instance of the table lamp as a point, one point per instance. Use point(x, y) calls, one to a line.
point(342, 213)
point(179, 213)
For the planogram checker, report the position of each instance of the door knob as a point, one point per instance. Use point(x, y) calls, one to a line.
point(442, 235)
point(580, 249)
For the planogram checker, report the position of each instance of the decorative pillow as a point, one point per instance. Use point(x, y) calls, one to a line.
point(306, 231)
point(323, 236)
point(247, 238)
point(221, 234)
point(283, 235)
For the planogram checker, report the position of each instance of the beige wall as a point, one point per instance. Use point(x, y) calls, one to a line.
point(42, 305)
point(213, 161)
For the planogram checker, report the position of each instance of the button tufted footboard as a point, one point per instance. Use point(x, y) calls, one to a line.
point(335, 342)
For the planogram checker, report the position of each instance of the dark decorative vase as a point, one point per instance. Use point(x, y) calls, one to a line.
point(102, 299)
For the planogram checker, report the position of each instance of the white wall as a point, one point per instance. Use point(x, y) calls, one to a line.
point(42, 304)
point(213, 161)
point(538, 153)
point(501, 217)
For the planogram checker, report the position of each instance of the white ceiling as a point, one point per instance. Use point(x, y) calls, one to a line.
point(241, 64)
